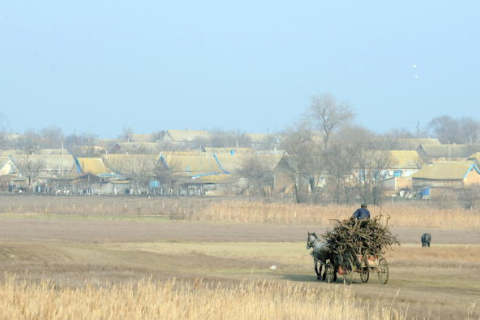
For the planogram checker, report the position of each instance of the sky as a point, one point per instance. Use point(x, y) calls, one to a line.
point(249, 66)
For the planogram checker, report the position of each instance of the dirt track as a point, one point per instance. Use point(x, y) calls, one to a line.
point(85, 231)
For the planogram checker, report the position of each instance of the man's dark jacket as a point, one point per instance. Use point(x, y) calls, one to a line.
point(361, 214)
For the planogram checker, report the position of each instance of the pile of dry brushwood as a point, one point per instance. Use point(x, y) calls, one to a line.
point(368, 236)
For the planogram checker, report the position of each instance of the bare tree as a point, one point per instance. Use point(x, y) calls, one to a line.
point(52, 137)
point(394, 139)
point(371, 167)
point(227, 139)
point(470, 130)
point(469, 197)
point(30, 167)
point(446, 129)
point(4, 124)
point(351, 155)
point(32, 142)
point(303, 158)
point(158, 135)
point(339, 165)
point(126, 134)
point(450, 130)
point(168, 146)
point(258, 174)
point(197, 143)
point(81, 144)
point(138, 167)
point(326, 114)
point(165, 173)
point(356, 135)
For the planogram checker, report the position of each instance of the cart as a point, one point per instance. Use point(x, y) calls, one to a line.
point(373, 264)
point(347, 264)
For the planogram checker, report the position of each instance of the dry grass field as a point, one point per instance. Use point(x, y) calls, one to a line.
point(100, 264)
point(403, 215)
point(184, 300)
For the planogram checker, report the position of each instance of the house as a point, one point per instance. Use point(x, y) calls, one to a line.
point(448, 174)
point(185, 138)
point(235, 164)
point(134, 170)
point(131, 164)
point(232, 163)
point(90, 151)
point(197, 167)
point(262, 140)
point(108, 143)
point(186, 166)
point(430, 153)
point(55, 164)
point(287, 175)
point(135, 137)
point(88, 184)
point(36, 170)
point(475, 158)
point(8, 173)
point(136, 147)
point(94, 166)
point(404, 163)
point(216, 171)
point(7, 167)
point(48, 165)
point(10, 152)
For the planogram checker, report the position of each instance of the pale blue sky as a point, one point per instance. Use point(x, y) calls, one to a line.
point(248, 65)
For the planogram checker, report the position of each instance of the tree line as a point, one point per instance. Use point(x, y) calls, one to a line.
point(325, 117)
point(323, 142)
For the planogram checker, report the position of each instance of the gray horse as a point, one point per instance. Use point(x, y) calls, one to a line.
point(320, 253)
point(426, 239)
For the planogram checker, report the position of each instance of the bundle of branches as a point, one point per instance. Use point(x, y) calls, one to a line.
point(362, 236)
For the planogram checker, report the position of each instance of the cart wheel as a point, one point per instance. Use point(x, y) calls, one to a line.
point(364, 270)
point(347, 271)
point(329, 273)
point(382, 270)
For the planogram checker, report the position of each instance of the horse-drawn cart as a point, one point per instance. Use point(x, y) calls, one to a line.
point(352, 247)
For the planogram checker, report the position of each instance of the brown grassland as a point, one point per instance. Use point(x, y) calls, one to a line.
point(141, 258)
point(172, 300)
point(403, 215)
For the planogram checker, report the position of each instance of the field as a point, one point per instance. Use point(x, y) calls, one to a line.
point(178, 258)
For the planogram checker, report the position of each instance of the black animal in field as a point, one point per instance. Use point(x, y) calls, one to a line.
point(426, 239)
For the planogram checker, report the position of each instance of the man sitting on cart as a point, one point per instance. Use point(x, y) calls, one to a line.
point(362, 213)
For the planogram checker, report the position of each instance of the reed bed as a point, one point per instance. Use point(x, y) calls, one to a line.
point(185, 300)
point(401, 216)
point(410, 215)
point(100, 206)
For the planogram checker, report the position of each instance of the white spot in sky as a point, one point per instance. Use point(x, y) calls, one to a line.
point(414, 66)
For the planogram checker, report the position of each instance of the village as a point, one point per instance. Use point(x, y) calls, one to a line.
point(239, 160)
point(292, 167)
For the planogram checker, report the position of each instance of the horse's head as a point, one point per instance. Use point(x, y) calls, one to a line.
point(311, 237)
